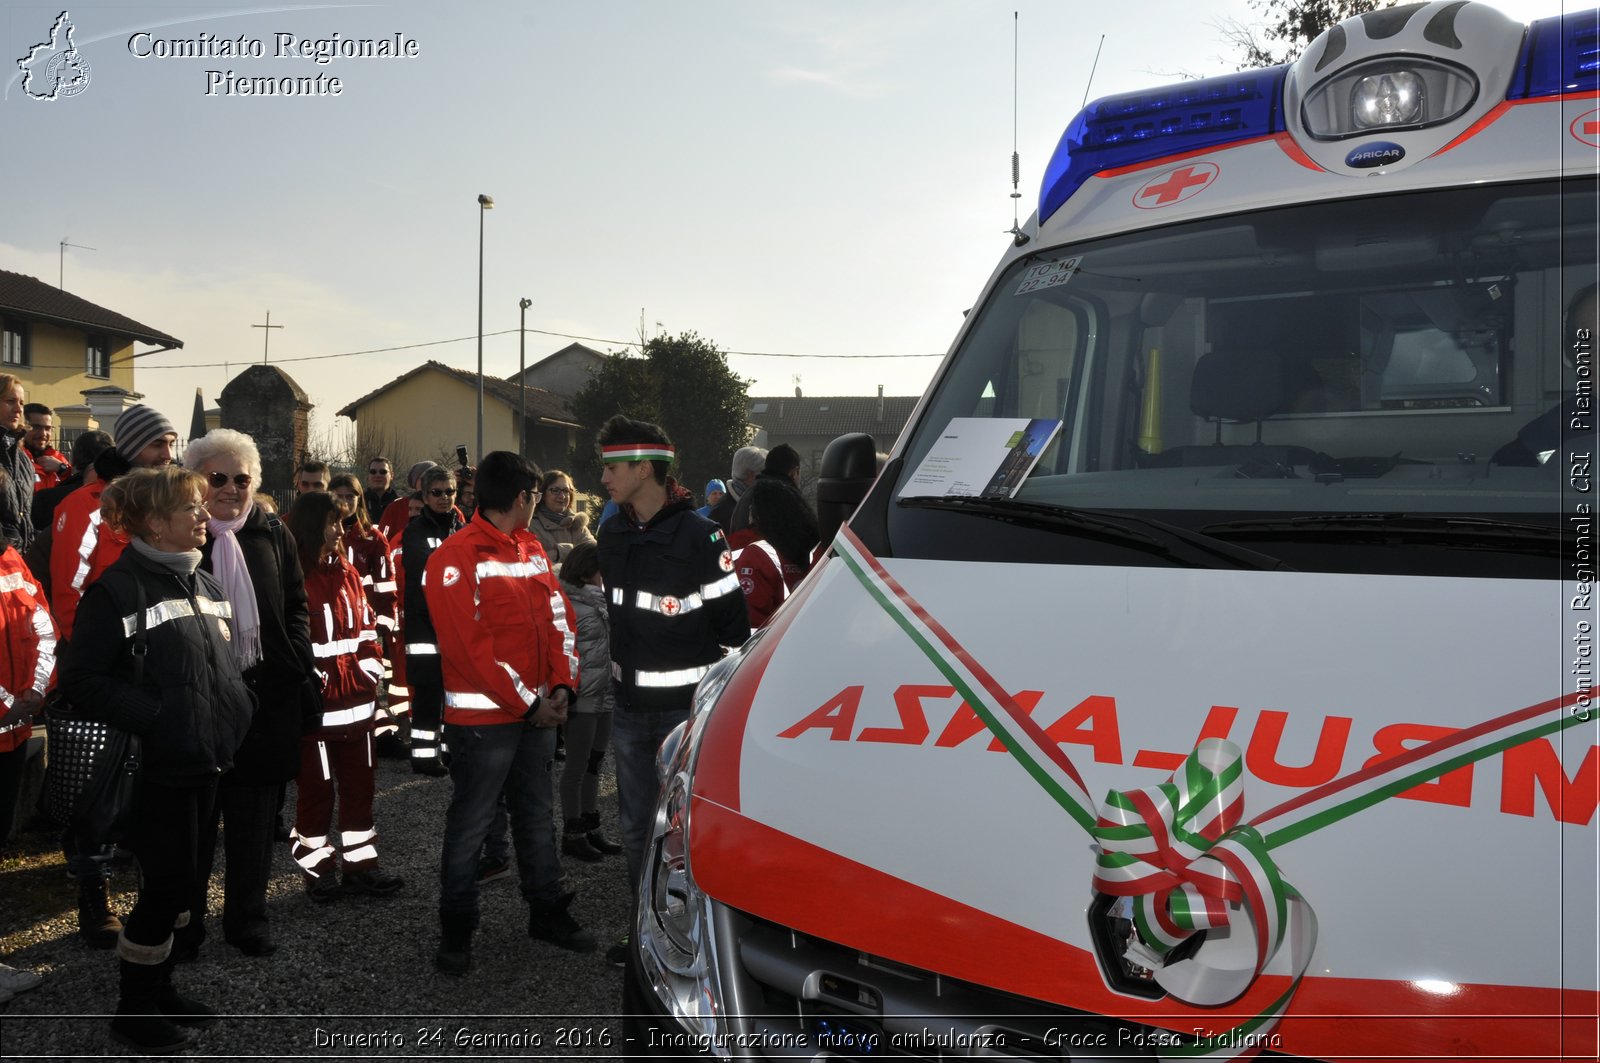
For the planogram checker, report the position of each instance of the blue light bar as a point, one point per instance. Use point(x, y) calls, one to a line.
point(1140, 126)
point(1561, 54)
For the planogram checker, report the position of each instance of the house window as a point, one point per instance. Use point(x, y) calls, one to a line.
point(14, 346)
point(97, 357)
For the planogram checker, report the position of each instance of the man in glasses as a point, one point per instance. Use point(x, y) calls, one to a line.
point(50, 466)
point(510, 667)
point(437, 521)
point(381, 490)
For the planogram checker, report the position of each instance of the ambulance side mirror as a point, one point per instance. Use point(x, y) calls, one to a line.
point(849, 466)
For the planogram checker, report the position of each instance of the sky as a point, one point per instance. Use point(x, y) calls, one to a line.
point(830, 180)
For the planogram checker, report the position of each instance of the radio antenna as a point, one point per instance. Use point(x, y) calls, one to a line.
point(1092, 69)
point(1017, 235)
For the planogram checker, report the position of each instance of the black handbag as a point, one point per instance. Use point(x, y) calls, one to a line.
point(93, 765)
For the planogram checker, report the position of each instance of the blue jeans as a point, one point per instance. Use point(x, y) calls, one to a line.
point(635, 738)
point(516, 758)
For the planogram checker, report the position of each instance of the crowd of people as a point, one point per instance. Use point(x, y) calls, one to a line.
point(475, 624)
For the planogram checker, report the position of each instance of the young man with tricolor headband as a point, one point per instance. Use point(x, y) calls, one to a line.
point(674, 604)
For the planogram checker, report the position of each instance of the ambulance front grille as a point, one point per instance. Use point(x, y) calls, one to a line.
point(802, 992)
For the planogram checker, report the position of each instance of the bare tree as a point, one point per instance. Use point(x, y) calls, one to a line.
point(1285, 28)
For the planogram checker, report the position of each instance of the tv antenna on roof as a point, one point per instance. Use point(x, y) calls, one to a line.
point(61, 261)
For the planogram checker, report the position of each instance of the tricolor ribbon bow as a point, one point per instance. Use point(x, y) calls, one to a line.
point(1178, 850)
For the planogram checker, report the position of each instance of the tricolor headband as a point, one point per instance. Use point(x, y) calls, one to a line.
point(637, 452)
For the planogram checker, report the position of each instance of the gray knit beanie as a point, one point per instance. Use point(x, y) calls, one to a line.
point(137, 428)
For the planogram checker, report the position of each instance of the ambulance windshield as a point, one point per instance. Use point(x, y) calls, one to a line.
point(1401, 355)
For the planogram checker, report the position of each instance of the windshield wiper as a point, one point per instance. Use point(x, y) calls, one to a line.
point(1179, 545)
point(1483, 533)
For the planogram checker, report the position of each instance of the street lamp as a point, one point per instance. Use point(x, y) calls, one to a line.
point(522, 372)
point(485, 203)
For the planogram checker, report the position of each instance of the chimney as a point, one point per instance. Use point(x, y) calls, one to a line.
point(880, 403)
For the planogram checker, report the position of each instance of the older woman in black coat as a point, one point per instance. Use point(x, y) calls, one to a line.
point(252, 555)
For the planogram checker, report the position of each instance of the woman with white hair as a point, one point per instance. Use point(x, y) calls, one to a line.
point(252, 555)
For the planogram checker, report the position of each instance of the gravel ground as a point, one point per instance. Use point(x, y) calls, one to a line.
point(358, 966)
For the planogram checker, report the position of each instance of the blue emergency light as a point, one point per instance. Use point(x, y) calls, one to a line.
point(1140, 126)
point(1560, 55)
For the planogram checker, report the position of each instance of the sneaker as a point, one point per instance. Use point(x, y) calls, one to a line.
point(373, 880)
point(492, 870)
point(550, 921)
point(14, 980)
point(431, 766)
point(617, 955)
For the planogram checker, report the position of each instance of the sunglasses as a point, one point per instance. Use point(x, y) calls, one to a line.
point(377, 472)
point(220, 479)
point(441, 492)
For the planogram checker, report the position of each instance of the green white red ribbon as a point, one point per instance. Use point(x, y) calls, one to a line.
point(1178, 848)
point(637, 452)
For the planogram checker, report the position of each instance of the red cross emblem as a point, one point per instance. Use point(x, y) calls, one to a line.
point(726, 561)
point(1175, 186)
point(670, 606)
point(1586, 127)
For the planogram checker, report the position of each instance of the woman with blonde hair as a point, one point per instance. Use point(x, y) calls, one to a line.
point(16, 497)
point(152, 653)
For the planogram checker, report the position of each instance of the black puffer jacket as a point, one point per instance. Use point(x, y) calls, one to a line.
point(674, 603)
point(191, 708)
point(271, 751)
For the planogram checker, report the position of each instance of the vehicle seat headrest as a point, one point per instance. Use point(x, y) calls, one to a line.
point(1237, 385)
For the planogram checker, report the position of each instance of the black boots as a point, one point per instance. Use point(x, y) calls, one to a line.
point(575, 843)
point(602, 844)
point(550, 921)
point(97, 926)
point(185, 1011)
point(455, 943)
point(141, 1023)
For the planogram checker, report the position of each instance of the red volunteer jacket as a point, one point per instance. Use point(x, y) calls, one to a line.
point(27, 642)
point(80, 550)
point(760, 572)
point(505, 630)
point(44, 479)
point(369, 555)
point(344, 640)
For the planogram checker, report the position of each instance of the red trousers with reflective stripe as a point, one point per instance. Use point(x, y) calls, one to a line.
point(349, 771)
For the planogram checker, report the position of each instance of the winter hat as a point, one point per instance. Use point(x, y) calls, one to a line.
point(716, 487)
point(137, 428)
point(418, 469)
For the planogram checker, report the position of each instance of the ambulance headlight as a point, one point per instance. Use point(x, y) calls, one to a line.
point(1387, 99)
point(676, 940)
point(1399, 92)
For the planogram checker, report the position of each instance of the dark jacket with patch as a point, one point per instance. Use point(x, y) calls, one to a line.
point(191, 707)
point(289, 704)
point(674, 603)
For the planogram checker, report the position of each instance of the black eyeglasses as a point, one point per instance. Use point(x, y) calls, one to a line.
point(441, 492)
point(559, 491)
point(220, 479)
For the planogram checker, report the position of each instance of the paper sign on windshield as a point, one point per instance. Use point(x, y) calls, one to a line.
point(985, 457)
point(1047, 275)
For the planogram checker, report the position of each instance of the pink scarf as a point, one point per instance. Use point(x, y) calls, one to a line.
point(227, 564)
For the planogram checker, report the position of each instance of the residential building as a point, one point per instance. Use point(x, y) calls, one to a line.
point(809, 424)
point(427, 412)
point(71, 354)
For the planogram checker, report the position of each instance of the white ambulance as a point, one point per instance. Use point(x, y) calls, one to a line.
point(1210, 672)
